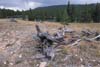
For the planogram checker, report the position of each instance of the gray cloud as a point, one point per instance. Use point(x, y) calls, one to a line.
point(19, 4)
point(84, 1)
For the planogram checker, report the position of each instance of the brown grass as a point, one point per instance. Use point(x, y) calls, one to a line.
point(80, 26)
point(88, 51)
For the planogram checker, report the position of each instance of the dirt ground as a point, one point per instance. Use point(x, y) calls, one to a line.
point(17, 45)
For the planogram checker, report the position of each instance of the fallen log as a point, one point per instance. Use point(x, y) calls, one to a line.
point(47, 40)
point(67, 30)
point(76, 42)
point(86, 32)
point(86, 39)
point(89, 33)
point(58, 38)
point(97, 38)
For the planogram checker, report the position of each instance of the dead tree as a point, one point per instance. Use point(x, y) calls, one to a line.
point(89, 33)
point(47, 40)
point(97, 38)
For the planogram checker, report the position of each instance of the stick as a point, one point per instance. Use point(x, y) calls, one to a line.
point(91, 39)
point(95, 37)
point(76, 42)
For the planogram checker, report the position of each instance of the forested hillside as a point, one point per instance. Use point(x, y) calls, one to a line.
point(4, 13)
point(59, 13)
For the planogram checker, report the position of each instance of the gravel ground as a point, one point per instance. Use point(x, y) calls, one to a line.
point(17, 47)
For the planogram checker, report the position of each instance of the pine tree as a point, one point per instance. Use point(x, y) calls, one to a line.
point(70, 12)
point(30, 15)
point(65, 17)
point(96, 13)
point(86, 14)
point(68, 8)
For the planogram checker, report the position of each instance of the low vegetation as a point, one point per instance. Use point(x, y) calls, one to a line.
point(18, 42)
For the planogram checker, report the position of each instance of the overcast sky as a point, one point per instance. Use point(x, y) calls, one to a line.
point(26, 4)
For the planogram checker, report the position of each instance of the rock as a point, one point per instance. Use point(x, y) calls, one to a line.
point(11, 64)
point(20, 56)
point(82, 66)
point(5, 62)
point(43, 64)
point(81, 59)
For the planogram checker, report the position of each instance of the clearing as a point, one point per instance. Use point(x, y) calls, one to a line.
point(17, 46)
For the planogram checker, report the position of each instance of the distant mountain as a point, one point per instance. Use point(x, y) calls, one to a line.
point(51, 7)
point(63, 6)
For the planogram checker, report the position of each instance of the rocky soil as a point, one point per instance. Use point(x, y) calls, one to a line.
point(18, 43)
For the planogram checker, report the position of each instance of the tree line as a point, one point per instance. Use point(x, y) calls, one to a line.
point(59, 13)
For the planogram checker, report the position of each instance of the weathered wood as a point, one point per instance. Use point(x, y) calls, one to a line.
point(38, 29)
point(47, 36)
point(47, 41)
point(89, 33)
point(76, 42)
point(94, 38)
point(86, 33)
point(68, 30)
point(97, 37)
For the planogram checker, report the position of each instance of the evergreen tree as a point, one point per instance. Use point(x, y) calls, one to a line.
point(30, 14)
point(65, 17)
point(70, 12)
point(96, 13)
point(86, 14)
point(61, 13)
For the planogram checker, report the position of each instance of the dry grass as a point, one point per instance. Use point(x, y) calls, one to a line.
point(48, 25)
point(24, 31)
point(81, 26)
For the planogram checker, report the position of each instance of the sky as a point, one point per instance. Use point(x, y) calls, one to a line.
point(26, 4)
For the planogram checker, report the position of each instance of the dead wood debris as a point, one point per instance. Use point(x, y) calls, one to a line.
point(47, 40)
